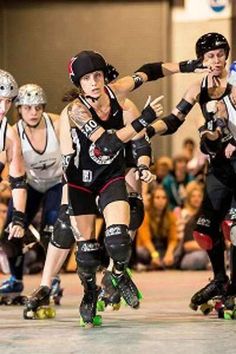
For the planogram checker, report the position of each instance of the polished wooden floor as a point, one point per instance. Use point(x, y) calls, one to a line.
point(163, 324)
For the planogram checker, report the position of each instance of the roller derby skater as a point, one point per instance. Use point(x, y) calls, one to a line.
point(102, 175)
point(39, 135)
point(213, 50)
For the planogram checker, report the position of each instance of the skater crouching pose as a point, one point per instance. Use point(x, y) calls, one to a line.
point(63, 233)
point(39, 136)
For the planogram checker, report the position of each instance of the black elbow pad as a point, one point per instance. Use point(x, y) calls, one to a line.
point(18, 182)
point(173, 123)
point(109, 143)
point(152, 70)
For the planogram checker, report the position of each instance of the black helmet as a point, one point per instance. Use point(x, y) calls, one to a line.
point(211, 41)
point(85, 62)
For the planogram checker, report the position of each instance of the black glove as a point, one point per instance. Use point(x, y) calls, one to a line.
point(189, 66)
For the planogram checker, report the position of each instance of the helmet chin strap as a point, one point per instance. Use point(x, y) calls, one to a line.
point(93, 99)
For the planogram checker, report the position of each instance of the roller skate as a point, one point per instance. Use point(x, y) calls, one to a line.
point(211, 297)
point(127, 288)
point(37, 305)
point(10, 292)
point(56, 290)
point(228, 310)
point(88, 306)
point(108, 295)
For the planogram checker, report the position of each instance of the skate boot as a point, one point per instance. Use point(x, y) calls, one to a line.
point(88, 307)
point(10, 292)
point(108, 295)
point(56, 290)
point(210, 297)
point(127, 288)
point(37, 305)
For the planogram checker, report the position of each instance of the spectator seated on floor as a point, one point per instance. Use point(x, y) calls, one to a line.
point(157, 236)
point(188, 255)
point(175, 182)
point(160, 169)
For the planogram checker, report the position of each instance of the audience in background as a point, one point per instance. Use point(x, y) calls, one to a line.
point(157, 236)
point(176, 181)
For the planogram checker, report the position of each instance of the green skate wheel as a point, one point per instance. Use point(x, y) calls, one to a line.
point(50, 312)
point(234, 315)
point(97, 320)
point(101, 306)
point(41, 314)
point(129, 272)
point(228, 315)
point(140, 295)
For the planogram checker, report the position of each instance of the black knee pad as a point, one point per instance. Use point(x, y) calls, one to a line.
point(118, 243)
point(88, 256)
point(63, 236)
point(136, 211)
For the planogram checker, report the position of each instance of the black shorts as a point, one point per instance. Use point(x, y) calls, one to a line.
point(83, 200)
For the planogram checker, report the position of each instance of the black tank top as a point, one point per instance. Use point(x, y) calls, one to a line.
point(204, 94)
point(204, 97)
point(89, 167)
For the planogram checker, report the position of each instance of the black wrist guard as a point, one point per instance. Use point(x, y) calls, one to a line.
point(152, 70)
point(189, 66)
point(18, 218)
point(18, 182)
point(147, 117)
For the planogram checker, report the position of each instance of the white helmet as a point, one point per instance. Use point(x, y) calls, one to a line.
point(8, 85)
point(232, 74)
point(30, 94)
